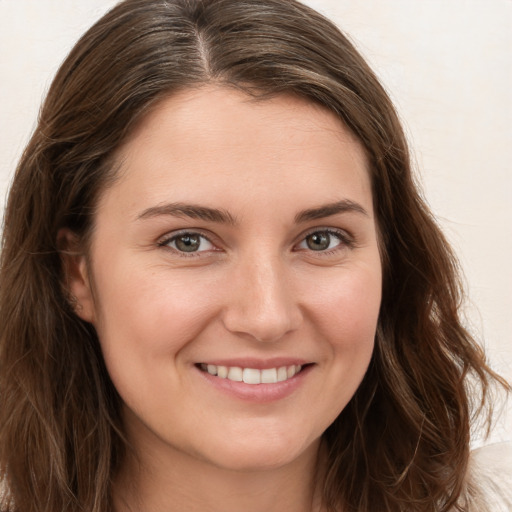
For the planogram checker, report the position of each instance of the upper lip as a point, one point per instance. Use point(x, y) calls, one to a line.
point(256, 363)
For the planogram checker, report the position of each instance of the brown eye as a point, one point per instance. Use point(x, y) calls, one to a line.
point(323, 240)
point(319, 241)
point(189, 242)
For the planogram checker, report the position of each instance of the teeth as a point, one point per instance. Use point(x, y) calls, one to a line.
point(222, 372)
point(269, 376)
point(235, 373)
point(282, 374)
point(252, 375)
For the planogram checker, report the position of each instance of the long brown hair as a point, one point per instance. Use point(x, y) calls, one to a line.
point(403, 440)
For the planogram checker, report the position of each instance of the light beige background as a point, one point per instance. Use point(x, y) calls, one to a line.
point(448, 67)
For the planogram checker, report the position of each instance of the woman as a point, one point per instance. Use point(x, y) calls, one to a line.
point(220, 287)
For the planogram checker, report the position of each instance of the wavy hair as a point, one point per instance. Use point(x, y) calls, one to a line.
point(403, 440)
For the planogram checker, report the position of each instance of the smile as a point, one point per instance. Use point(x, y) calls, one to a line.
point(252, 375)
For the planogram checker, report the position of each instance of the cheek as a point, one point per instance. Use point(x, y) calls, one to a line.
point(150, 311)
point(343, 315)
point(346, 320)
point(347, 310)
point(146, 322)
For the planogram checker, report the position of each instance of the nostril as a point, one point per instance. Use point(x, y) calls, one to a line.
point(262, 325)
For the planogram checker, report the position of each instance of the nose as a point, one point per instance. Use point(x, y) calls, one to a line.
point(262, 304)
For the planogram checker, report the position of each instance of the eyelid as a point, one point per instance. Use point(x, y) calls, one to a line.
point(346, 239)
point(164, 240)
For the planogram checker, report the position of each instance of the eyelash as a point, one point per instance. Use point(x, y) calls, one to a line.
point(184, 254)
point(345, 239)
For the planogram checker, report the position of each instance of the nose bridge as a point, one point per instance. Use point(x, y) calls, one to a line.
point(262, 303)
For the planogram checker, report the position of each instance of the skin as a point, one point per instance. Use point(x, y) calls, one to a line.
point(253, 289)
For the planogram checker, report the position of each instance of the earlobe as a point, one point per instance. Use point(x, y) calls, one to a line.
point(76, 283)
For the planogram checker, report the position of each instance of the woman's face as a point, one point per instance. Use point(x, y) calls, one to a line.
point(238, 246)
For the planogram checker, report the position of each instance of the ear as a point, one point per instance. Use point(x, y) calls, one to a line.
point(76, 283)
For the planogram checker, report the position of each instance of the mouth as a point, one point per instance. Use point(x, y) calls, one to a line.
point(252, 376)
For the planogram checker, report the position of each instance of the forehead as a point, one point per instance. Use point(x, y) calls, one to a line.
point(215, 141)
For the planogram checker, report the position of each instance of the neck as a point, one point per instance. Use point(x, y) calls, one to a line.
point(173, 481)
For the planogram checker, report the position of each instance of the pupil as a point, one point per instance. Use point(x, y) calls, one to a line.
point(318, 241)
point(188, 243)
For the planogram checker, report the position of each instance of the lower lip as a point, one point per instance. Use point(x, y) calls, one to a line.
point(260, 393)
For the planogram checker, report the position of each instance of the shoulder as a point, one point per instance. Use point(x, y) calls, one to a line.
point(489, 486)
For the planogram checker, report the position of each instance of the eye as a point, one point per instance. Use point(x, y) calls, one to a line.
point(188, 242)
point(323, 240)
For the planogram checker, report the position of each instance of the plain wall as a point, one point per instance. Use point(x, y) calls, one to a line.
point(447, 66)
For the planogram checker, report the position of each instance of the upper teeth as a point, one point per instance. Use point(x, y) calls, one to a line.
point(252, 375)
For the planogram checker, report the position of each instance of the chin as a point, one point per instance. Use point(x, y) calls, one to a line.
point(260, 453)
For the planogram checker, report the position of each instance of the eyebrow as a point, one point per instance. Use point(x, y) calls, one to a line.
point(221, 216)
point(189, 210)
point(343, 206)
